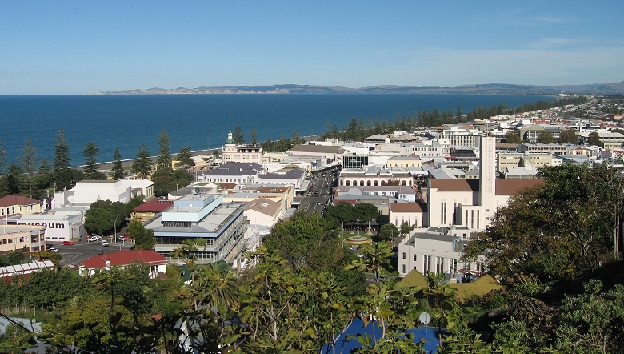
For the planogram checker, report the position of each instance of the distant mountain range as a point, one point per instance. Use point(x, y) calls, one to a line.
point(478, 89)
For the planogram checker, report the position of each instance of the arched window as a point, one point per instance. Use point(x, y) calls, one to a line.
point(368, 183)
point(375, 183)
point(362, 183)
point(348, 183)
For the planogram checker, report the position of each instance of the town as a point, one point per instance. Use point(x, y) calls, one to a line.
point(405, 205)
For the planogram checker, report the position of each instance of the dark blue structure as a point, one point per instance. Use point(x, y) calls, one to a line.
point(348, 340)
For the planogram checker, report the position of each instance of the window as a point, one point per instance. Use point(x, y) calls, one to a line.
point(403, 268)
point(414, 258)
point(404, 255)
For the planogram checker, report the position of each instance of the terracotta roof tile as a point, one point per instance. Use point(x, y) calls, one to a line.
point(406, 208)
point(11, 200)
point(154, 205)
point(125, 257)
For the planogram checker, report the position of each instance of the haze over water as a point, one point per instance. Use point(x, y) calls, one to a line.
point(201, 121)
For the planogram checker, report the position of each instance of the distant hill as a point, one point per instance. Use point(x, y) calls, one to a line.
point(477, 89)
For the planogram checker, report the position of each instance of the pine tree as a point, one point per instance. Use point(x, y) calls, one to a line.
point(253, 137)
point(90, 153)
point(185, 157)
point(238, 136)
point(142, 165)
point(164, 151)
point(118, 172)
point(62, 171)
point(29, 159)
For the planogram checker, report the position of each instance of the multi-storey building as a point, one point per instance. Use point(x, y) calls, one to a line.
point(19, 237)
point(243, 153)
point(213, 227)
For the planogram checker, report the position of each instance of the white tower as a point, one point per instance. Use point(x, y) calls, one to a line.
point(487, 177)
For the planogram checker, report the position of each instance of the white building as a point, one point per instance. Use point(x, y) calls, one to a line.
point(218, 226)
point(58, 228)
point(437, 251)
point(243, 153)
point(472, 202)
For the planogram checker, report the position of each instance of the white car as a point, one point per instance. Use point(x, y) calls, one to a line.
point(94, 238)
point(105, 243)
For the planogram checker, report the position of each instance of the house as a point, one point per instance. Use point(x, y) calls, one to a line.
point(17, 204)
point(19, 237)
point(410, 213)
point(152, 259)
point(148, 210)
point(264, 212)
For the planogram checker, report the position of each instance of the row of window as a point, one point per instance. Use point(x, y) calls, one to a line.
point(5, 241)
point(368, 183)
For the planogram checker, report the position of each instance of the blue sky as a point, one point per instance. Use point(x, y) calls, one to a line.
point(76, 47)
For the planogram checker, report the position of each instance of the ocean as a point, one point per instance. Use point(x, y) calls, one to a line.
point(201, 121)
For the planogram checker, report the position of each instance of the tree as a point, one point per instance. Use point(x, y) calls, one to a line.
point(513, 137)
point(557, 230)
point(185, 157)
point(237, 136)
point(118, 171)
point(253, 140)
point(62, 171)
point(90, 153)
point(164, 151)
point(365, 212)
point(43, 178)
point(387, 232)
point(568, 136)
point(13, 179)
point(104, 216)
point(594, 139)
point(545, 138)
point(142, 165)
point(306, 241)
point(29, 160)
point(167, 180)
point(2, 158)
point(143, 238)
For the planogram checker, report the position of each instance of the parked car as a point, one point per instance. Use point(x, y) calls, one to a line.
point(105, 243)
point(67, 243)
point(52, 249)
point(94, 238)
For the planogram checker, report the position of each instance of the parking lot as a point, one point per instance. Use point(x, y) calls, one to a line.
point(82, 250)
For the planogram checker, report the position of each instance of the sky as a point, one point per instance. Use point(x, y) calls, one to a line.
point(78, 47)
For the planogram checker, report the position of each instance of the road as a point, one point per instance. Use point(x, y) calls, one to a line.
point(320, 195)
point(76, 254)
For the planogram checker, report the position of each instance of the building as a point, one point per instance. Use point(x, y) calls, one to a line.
point(232, 172)
point(87, 192)
point(264, 212)
point(22, 237)
point(216, 228)
point(410, 213)
point(404, 161)
point(58, 227)
point(462, 138)
point(375, 176)
point(25, 269)
point(242, 153)
point(437, 251)
point(149, 210)
point(152, 259)
point(17, 204)
point(468, 202)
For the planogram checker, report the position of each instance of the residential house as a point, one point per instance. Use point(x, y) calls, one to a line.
point(17, 204)
point(157, 263)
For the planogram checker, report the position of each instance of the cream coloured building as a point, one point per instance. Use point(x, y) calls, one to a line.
point(243, 153)
point(19, 237)
point(17, 204)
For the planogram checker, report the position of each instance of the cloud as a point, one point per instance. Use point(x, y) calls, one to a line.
point(450, 67)
point(549, 43)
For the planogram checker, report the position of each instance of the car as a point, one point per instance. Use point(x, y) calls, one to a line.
point(67, 243)
point(52, 249)
point(94, 238)
point(105, 243)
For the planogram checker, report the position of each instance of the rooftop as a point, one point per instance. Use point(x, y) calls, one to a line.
point(125, 257)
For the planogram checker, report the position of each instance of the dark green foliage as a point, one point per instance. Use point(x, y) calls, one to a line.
point(167, 180)
point(62, 172)
point(104, 216)
point(238, 136)
point(164, 150)
point(568, 136)
point(184, 156)
point(143, 238)
point(387, 232)
point(360, 213)
point(117, 170)
point(142, 165)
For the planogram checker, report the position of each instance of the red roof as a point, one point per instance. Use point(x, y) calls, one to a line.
point(125, 257)
point(154, 205)
point(11, 200)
